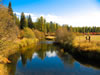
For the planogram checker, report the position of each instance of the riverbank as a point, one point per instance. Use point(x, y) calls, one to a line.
point(21, 47)
point(83, 55)
point(83, 49)
point(15, 47)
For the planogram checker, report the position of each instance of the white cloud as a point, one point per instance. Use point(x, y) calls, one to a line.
point(34, 17)
point(17, 13)
point(87, 19)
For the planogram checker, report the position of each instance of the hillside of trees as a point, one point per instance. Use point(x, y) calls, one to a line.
point(83, 29)
point(41, 25)
point(12, 27)
point(8, 29)
point(47, 27)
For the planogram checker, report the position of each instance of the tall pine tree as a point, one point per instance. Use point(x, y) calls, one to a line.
point(30, 23)
point(38, 24)
point(16, 19)
point(42, 23)
point(10, 9)
point(23, 21)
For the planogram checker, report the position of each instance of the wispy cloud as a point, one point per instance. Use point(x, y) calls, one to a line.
point(34, 17)
point(84, 19)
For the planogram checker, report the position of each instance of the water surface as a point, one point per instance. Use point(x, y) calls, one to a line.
point(47, 59)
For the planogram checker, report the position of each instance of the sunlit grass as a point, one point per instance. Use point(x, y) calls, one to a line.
point(50, 37)
point(83, 44)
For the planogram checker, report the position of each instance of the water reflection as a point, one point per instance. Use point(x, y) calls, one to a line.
point(46, 59)
point(67, 59)
point(10, 69)
point(27, 55)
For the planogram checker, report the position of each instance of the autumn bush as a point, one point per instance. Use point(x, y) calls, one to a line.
point(27, 42)
point(64, 36)
point(28, 33)
point(38, 34)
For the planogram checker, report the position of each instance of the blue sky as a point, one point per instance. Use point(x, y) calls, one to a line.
point(72, 12)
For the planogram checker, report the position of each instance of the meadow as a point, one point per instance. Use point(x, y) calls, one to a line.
point(83, 44)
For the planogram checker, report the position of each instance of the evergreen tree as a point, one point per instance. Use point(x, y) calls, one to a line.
point(42, 23)
point(51, 26)
point(54, 27)
point(10, 9)
point(23, 21)
point(83, 29)
point(57, 26)
point(71, 29)
point(16, 19)
point(38, 24)
point(44, 28)
point(30, 23)
point(89, 29)
point(48, 27)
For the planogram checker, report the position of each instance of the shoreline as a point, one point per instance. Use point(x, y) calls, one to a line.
point(4, 54)
point(92, 55)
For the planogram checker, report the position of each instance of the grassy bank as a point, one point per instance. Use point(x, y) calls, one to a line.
point(15, 47)
point(8, 48)
point(80, 47)
point(26, 52)
point(83, 44)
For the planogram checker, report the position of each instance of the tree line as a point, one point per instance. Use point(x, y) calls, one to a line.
point(82, 29)
point(26, 21)
point(40, 24)
point(44, 26)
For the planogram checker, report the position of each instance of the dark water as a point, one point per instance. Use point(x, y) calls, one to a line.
point(47, 59)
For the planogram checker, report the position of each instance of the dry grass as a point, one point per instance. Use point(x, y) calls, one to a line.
point(95, 38)
point(93, 45)
point(50, 37)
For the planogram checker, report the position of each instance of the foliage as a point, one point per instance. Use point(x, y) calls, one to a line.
point(63, 36)
point(27, 42)
point(10, 9)
point(47, 27)
point(83, 29)
point(44, 26)
point(30, 23)
point(38, 34)
point(8, 29)
point(52, 27)
point(28, 33)
point(17, 21)
point(23, 23)
point(40, 24)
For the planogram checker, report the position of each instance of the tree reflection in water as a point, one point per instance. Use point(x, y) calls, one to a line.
point(44, 51)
